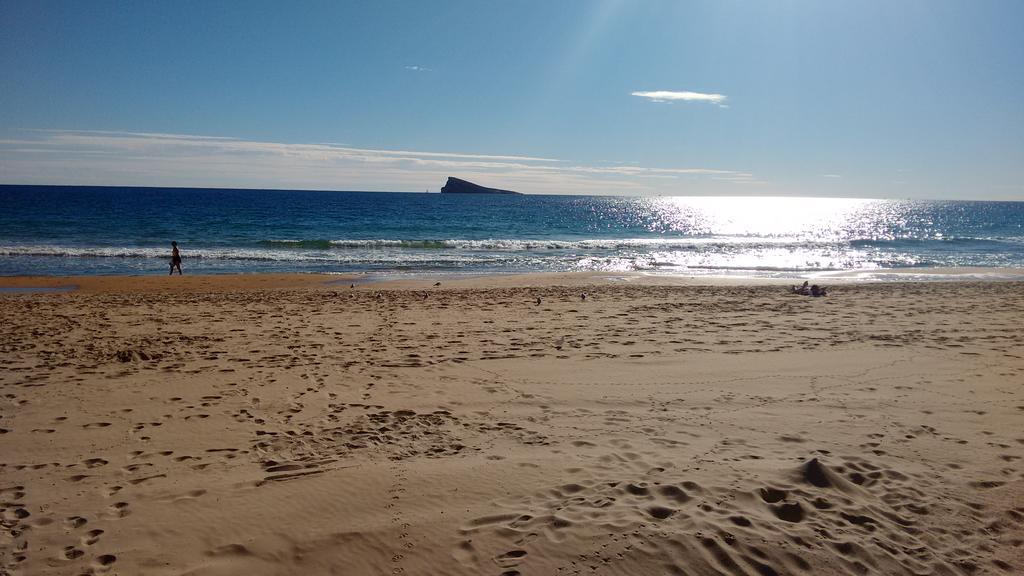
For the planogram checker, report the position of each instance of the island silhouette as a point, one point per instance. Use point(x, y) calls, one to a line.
point(460, 186)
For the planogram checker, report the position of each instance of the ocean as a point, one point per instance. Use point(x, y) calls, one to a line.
point(82, 230)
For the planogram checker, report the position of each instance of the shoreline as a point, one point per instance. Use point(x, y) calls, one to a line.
point(311, 281)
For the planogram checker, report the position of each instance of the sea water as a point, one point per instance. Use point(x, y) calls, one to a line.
point(95, 230)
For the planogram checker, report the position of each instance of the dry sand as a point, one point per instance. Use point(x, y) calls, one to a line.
point(280, 425)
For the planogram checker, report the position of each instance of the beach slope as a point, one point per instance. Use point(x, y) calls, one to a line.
point(211, 427)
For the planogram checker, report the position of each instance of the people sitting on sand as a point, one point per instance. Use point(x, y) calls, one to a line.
point(813, 290)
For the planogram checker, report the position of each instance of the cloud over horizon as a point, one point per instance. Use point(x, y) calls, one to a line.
point(671, 96)
point(104, 157)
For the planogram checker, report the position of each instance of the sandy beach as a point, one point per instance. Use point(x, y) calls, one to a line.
point(275, 424)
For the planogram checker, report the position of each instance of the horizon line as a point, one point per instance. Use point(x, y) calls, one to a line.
point(245, 189)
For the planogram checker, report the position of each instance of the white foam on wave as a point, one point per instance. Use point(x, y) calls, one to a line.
point(500, 244)
point(257, 254)
point(598, 255)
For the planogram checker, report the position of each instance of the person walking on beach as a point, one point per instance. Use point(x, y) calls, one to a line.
point(175, 259)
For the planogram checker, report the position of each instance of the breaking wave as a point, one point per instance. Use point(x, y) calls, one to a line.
point(688, 243)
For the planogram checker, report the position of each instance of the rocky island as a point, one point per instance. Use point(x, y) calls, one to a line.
point(459, 186)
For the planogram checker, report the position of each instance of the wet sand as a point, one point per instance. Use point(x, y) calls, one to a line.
point(287, 425)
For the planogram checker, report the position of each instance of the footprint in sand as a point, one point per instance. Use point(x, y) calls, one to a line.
point(13, 492)
point(104, 561)
point(136, 481)
point(135, 467)
point(119, 510)
point(510, 559)
point(75, 521)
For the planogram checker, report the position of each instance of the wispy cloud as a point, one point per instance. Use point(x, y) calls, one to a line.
point(162, 135)
point(418, 68)
point(138, 158)
point(671, 96)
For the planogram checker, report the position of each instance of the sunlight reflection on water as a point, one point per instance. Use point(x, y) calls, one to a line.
point(795, 234)
point(825, 219)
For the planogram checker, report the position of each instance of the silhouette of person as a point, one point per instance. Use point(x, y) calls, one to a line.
point(175, 259)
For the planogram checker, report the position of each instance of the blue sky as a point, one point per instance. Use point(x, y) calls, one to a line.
point(840, 98)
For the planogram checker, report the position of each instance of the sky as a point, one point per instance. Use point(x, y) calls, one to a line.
point(865, 98)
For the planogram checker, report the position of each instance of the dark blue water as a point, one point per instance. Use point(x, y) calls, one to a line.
point(89, 230)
